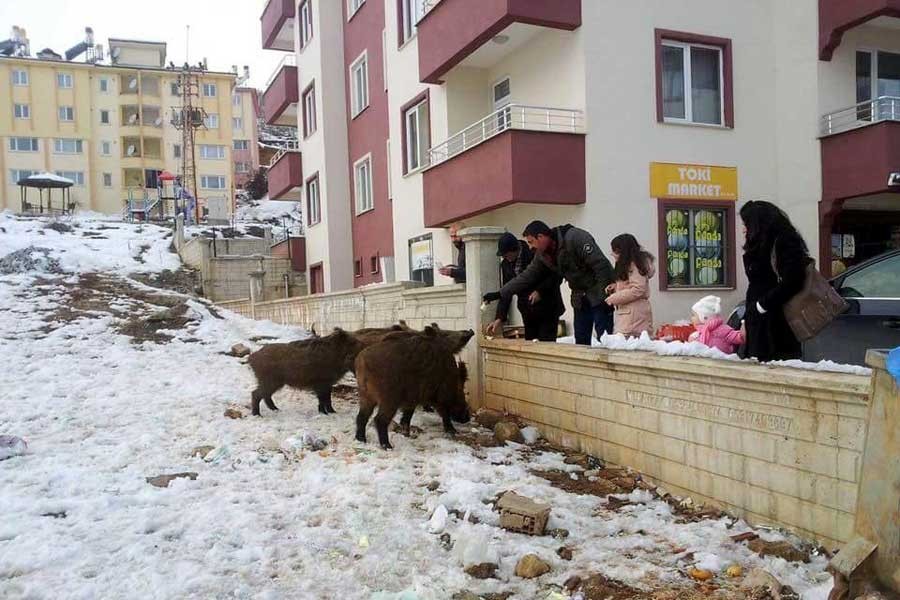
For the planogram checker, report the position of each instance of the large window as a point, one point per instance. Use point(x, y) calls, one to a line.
point(877, 77)
point(309, 111)
point(107, 180)
point(241, 167)
point(698, 246)
point(67, 146)
point(105, 148)
point(104, 85)
point(694, 79)
point(23, 144)
point(64, 80)
point(22, 111)
point(237, 123)
point(313, 201)
point(306, 27)
point(212, 152)
point(66, 113)
point(211, 121)
point(416, 140)
point(363, 185)
point(241, 144)
point(20, 77)
point(16, 175)
point(210, 90)
point(410, 13)
point(359, 85)
point(212, 182)
point(76, 176)
point(104, 117)
point(236, 99)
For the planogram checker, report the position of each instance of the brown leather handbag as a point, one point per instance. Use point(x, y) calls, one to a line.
point(815, 306)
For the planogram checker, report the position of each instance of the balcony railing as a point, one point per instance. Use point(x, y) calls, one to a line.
point(289, 60)
point(428, 5)
point(884, 108)
point(289, 146)
point(513, 116)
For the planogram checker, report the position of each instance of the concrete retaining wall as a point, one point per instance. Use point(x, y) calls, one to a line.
point(195, 251)
point(228, 277)
point(773, 445)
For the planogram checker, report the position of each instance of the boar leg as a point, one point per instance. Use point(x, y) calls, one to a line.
point(382, 422)
point(324, 396)
point(449, 429)
point(406, 420)
point(366, 409)
point(270, 403)
point(257, 395)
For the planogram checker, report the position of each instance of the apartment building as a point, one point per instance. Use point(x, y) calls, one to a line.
point(108, 127)
point(658, 118)
point(245, 127)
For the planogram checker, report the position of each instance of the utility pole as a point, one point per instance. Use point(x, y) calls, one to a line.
point(188, 118)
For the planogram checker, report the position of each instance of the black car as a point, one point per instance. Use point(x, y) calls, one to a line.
point(873, 290)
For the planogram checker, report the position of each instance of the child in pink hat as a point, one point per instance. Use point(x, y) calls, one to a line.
point(712, 329)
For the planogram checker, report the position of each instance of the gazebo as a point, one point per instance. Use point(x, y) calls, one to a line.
point(49, 182)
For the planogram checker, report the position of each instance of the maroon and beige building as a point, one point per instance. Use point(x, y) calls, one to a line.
point(658, 118)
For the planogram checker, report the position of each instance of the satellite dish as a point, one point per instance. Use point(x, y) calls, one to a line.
point(116, 52)
point(131, 150)
point(133, 83)
point(158, 121)
point(133, 119)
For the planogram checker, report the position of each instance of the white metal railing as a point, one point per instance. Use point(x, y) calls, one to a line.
point(289, 146)
point(512, 116)
point(289, 60)
point(884, 108)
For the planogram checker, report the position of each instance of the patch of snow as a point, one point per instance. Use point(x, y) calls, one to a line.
point(531, 434)
point(826, 366)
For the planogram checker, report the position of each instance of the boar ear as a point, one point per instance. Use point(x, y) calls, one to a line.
point(396, 328)
point(403, 324)
point(463, 372)
point(435, 326)
point(429, 331)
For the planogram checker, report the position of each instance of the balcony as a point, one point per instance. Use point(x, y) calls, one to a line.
point(860, 149)
point(839, 16)
point(277, 23)
point(282, 94)
point(285, 174)
point(453, 30)
point(518, 154)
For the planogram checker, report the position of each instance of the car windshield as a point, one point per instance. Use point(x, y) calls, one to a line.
point(878, 280)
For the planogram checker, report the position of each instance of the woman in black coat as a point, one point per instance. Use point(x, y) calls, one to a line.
point(771, 240)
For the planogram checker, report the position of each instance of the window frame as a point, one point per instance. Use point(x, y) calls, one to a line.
point(24, 111)
point(61, 78)
point(726, 73)
point(310, 126)
point(423, 98)
point(205, 179)
point(730, 242)
point(17, 74)
point(357, 268)
point(361, 61)
point(313, 182)
point(306, 22)
point(220, 152)
point(57, 145)
point(176, 151)
point(34, 144)
point(69, 110)
point(103, 85)
point(244, 143)
point(108, 121)
point(404, 37)
point(78, 176)
point(103, 144)
point(359, 208)
point(237, 123)
point(208, 121)
point(103, 179)
point(236, 99)
point(210, 86)
point(352, 10)
point(16, 174)
point(374, 264)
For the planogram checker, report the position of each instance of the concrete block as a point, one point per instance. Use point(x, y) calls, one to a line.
point(810, 457)
point(849, 463)
point(795, 483)
point(851, 433)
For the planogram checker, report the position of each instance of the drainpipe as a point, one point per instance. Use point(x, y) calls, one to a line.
point(287, 285)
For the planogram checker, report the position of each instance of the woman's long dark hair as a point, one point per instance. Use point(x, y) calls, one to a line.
point(765, 223)
point(630, 251)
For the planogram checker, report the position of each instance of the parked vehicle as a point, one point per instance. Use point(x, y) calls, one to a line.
point(873, 322)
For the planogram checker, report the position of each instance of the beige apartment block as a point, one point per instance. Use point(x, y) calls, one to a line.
point(108, 126)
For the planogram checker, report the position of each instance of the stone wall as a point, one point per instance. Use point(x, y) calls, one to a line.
point(199, 249)
point(774, 445)
point(228, 277)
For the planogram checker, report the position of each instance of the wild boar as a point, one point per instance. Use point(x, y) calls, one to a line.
point(373, 335)
point(405, 371)
point(314, 364)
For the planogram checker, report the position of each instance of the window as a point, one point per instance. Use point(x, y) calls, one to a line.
point(211, 121)
point(209, 90)
point(309, 111)
point(877, 78)
point(105, 148)
point(373, 264)
point(16, 175)
point(313, 202)
point(66, 113)
point(698, 245)
point(212, 152)
point(236, 99)
point(237, 123)
point(501, 93)
point(23, 144)
point(212, 182)
point(306, 28)
point(76, 176)
point(67, 146)
point(416, 128)
point(241, 144)
point(22, 111)
point(359, 85)
point(107, 180)
point(241, 167)
point(104, 117)
point(316, 279)
point(64, 80)
point(421, 259)
point(20, 77)
point(357, 267)
point(694, 79)
point(104, 85)
point(363, 185)
point(151, 178)
point(355, 5)
point(410, 13)
point(176, 151)
point(879, 280)
point(174, 88)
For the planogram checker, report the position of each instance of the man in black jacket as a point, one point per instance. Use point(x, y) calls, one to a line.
point(457, 271)
point(572, 254)
point(540, 306)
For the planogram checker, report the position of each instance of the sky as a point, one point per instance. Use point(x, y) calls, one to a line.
point(226, 32)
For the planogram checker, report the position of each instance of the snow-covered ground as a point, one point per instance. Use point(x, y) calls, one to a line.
point(264, 517)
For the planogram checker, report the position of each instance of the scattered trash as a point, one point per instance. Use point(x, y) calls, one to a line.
point(11, 445)
point(438, 521)
point(433, 486)
point(761, 579)
point(531, 566)
point(201, 451)
point(780, 549)
point(32, 258)
point(305, 440)
point(483, 571)
point(522, 515)
point(488, 417)
point(700, 574)
point(564, 552)
point(745, 537)
point(572, 583)
point(163, 481)
point(239, 351)
point(217, 454)
point(233, 413)
point(531, 435)
point(734, 571)
point(507, 431)
point(446, 541)
point(363, 542)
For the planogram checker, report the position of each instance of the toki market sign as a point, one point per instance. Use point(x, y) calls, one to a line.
point(693, 182)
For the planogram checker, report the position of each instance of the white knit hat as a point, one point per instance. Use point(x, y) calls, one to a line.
point(708, 307)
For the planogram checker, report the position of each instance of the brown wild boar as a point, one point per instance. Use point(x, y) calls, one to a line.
point(373, 335)
point(314, 364)
point(403, 372)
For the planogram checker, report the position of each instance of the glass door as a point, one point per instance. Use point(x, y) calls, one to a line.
point(502, 95)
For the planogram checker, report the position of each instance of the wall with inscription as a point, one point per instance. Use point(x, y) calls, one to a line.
point(773, 445)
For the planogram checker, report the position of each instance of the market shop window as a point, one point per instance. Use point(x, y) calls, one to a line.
point(696, 245)
point(421, 259)
point(694, 79)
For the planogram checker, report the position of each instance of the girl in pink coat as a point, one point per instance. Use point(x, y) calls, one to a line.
point(630, 293)
point(712, 329)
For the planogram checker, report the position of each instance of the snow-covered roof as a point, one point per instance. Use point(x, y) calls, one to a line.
point(46, 180)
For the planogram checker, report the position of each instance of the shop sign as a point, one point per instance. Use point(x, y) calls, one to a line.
point(693, 182)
